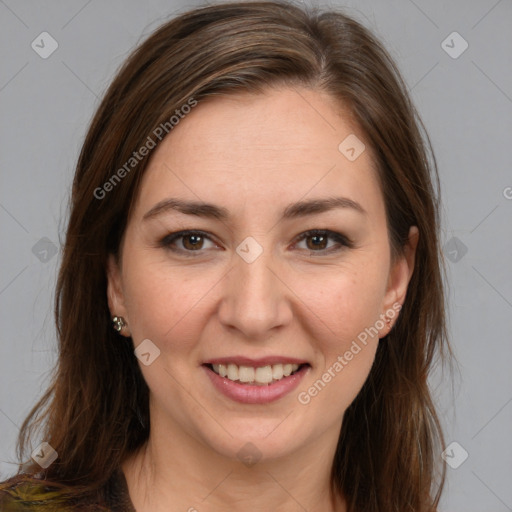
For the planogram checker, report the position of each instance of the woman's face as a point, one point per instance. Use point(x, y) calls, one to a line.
point(251, 291)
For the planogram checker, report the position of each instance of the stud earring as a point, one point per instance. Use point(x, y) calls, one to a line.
point(118, 323)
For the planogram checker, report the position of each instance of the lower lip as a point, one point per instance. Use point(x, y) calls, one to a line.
point(251, 394)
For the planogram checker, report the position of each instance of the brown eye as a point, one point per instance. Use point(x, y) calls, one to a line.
point(192, 242)
point(187, 242)
point(318, 241)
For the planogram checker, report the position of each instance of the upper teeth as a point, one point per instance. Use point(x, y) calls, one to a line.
point(260, 375)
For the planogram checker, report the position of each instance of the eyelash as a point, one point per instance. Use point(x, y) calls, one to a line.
point(342, 240)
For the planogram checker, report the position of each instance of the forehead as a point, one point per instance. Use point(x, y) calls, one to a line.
point(250, 150)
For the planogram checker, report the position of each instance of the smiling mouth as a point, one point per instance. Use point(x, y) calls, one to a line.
point(259, 376)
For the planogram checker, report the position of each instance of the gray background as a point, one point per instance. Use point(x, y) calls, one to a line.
point(465, 102)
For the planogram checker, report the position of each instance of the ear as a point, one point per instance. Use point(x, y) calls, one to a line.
point(115, 295)
point(399, 276)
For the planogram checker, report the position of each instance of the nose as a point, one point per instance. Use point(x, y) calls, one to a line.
point(256, 298)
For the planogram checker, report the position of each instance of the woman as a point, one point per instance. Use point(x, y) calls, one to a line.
point(250, 297)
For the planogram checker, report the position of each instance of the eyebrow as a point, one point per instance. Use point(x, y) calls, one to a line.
point(292, 211)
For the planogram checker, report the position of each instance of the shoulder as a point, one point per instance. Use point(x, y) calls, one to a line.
point(24, 493)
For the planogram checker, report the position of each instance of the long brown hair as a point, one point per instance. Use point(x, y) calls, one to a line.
point(95, 412)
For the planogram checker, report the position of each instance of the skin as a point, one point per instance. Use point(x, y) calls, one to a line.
point(295, 300)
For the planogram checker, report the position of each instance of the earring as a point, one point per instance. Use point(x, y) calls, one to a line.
point(118, 322)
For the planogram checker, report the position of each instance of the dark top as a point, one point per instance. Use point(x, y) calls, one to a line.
point(17, 495)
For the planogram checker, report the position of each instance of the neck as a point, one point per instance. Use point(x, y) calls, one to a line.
point(175, 471)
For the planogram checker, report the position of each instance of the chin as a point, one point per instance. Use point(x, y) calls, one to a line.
point(256, 438)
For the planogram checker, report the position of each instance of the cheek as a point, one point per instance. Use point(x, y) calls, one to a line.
point(342, 302)
point(344, 309)
point(164, 304)
point(342, 379)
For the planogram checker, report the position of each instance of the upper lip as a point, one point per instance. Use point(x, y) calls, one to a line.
point(249, 361)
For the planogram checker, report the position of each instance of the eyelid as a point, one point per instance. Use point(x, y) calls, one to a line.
point(342, 240)
point(167, 240)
